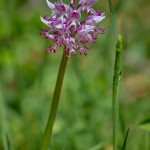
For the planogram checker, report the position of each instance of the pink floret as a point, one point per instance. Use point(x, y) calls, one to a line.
point(65, 27)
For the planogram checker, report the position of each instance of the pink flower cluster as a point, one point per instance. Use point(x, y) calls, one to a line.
point(66, 28)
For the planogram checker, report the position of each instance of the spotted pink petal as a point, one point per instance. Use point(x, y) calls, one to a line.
point(50, 5)
point(86, 3)
point(92, 20)
point(90, 3)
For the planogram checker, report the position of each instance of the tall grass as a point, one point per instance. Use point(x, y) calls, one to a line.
point(116, 78)
point(3, 124)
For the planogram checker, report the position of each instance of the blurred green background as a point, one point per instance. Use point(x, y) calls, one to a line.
point(84, 120)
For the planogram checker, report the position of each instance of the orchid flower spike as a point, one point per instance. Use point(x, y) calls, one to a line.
point(66, 29)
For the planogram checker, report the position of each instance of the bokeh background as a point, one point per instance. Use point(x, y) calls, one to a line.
point(84, 121)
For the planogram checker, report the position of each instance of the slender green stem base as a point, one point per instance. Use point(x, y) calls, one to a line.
point(55, 102)
point(116, 79)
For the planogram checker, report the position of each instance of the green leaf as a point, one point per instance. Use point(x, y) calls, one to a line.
point(145, 124)
point(8, 143)
point(113, 19)
point(97, 147)
point(125, 141)
point(3, 124)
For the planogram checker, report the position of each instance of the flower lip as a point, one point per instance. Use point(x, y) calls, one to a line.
point(75, 15)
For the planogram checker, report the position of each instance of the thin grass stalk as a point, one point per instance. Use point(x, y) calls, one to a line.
point(3, 123)
point(55, 102)
point(148, 147)
point(116, 79)
point(125, 141)
point(113, 19)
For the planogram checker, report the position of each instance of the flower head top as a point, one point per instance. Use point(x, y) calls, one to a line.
point(66, 28)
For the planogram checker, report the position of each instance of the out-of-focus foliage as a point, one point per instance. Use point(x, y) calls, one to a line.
point(145, 124)
point(84, 120)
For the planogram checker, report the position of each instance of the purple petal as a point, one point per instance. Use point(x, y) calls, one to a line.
point(92, 20)
point(72, 3)
point(75, 15)
point(45, 21)
point(89, 48)
point(60, 7)
point(85, 29)
point(86, 3)
point(81, 2)
point(90, 3)
point(50, 5)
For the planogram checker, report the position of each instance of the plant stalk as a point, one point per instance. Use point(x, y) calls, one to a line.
point(55, 102)
point(116, 78)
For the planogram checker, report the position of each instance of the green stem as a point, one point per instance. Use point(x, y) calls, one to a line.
point(116, 79)
point(55, 102)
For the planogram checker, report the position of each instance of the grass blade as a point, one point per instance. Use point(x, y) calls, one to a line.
point(116, 78)
point(3, 124)
point(113, 19)
point(125, 141)
point(8, 143)
point(97, 147)
point(145, 124)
